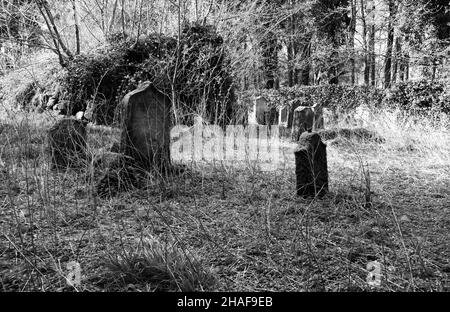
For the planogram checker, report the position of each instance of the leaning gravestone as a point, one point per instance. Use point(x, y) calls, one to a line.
point(67, 143)
point(311, 166)
point(146, 127)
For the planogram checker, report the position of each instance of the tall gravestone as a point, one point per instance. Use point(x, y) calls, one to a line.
point(311, 166)
point(146, 127)
point(67, 143)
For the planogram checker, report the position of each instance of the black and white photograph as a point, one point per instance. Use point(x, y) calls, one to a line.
point(243, 148)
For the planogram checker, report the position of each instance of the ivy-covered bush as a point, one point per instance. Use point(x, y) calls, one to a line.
point(93, 78)
point(198, 72)
point(194, 73)
point(413, 96)
point(340, 97)
point(421, 96)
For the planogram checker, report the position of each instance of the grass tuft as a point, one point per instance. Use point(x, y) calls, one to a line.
point(162, 265)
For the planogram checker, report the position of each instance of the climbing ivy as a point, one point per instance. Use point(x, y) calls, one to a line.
point(413, 96)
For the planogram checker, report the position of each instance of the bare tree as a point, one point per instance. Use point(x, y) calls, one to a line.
point(352, 32)
point(77, 26)
point(59, 45)
point(390, 43)
point(372, 56)
point(365, 45)
point(113, 16)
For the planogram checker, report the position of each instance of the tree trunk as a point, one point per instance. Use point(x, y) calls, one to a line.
point(290, 56)
point(372, 45)
point(270, 63)
point(113, 17)
point(333, 72)
point(296, 50)
point(352, 41)
point(291, 51)
point(270, 56)
point(402, 69)
point(140, 20)
point(398, 51)
point(372, 55)
point(123, 17)
point(306, 53)
point(77, 27)
point(55, 42)
point(390, 43)
point(50, 21)
point(133, 25)
point(406, 66)
point(366, 57)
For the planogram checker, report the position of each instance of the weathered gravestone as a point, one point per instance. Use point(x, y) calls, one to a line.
point(306, 119)
point(146, 127)
point(261, 113)
point(67, 143)
point(311, 166)
point(271, 116)
point(261, 107)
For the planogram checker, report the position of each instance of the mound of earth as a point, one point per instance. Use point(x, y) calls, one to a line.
point(358, 134)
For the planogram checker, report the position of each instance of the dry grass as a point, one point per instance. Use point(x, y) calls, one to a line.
point(227, 227)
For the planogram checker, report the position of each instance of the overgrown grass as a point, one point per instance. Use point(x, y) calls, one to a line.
point(230, 228)
point(159, 265)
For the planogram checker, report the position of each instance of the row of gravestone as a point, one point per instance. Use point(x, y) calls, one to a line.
point(145, 140)
point(304, 118)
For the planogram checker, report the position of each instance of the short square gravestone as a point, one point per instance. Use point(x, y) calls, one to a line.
point(311, 166)
point(67, 143)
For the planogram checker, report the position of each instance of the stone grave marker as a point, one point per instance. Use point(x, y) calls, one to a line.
point(311, 166)
point(67, 143)
point(146, 127)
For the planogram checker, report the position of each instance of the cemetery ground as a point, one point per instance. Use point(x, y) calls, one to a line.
point(230, 227)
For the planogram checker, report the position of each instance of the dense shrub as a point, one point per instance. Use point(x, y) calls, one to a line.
point(196, 75)
point(332, 96)
point(200, 78)
point(93, 78)
point(413, 96)
point(419, 96)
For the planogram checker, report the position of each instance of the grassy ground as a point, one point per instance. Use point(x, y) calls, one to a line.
point(230, 228)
